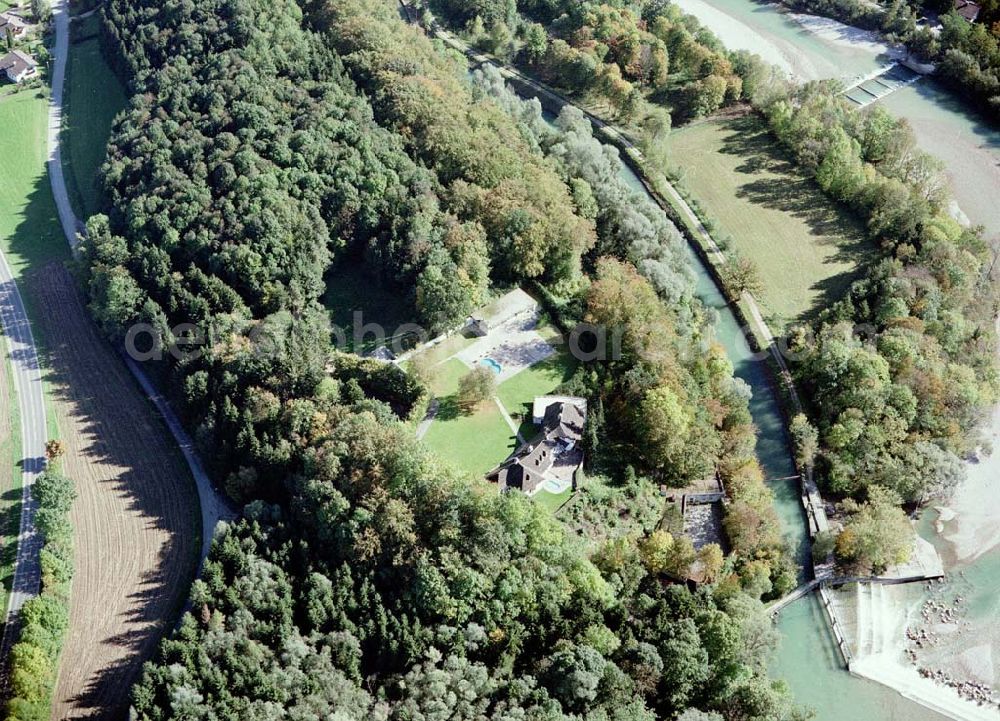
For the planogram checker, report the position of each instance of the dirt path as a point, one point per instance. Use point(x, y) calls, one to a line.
point(136, 520)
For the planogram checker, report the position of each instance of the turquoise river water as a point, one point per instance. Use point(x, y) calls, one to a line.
point(810, 48)
point(808, 659)
point(813, 48)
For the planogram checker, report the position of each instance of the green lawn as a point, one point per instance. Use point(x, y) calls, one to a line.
point(552, 501)
point(518, 393)
point(476, 443)
point(446, 376)
point(806, 249)
point(30, 235)
point(93, 98)
point(29, 226)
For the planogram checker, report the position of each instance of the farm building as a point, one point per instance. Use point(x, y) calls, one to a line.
point(18, 66)
point(554, 457)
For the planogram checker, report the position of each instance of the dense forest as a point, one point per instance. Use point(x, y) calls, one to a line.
point(633, 58)
point(366, 579)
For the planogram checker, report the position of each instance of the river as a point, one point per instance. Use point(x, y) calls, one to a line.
point(811, 48)
point(808, 660)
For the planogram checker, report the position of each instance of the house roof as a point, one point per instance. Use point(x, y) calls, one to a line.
point(12, 20)
point(16, 62)
point(542, 403)
point(556, 442)
point(563, 420)
point(967, 9)
point(382, 353)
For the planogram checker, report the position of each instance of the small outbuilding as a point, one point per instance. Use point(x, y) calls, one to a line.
point(383, 354)
point(11, 26)
point(967, 9)
point(475, 327)
point(18, 66)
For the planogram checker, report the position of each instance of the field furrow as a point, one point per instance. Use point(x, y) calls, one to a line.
point(135, 520)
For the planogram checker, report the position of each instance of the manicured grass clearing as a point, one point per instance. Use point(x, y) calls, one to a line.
point(518, 393)
point(807, 250)
point(29, 225)
point(479, 441)
point(475, 443)
point(92, 100)
point(446, 377)
point(552, 501)
point(349, 288)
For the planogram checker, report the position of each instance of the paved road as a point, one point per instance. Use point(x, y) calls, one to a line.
point(27, 376)
point(71, 226)
point(214, 506)
point(28, 380)
point(28, 390)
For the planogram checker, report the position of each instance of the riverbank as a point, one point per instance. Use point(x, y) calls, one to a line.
point(943, 646)
point(847, 36)
point(970, 520)
point(808, 47)
point(776, 36)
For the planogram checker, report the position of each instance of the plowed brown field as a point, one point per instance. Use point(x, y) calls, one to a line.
point(135, 520)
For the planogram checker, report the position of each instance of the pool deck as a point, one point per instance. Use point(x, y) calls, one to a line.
point(513, 343)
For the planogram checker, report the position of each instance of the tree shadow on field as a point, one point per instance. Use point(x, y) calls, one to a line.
point(783, 186)
point(132, 456)
point(139, 560)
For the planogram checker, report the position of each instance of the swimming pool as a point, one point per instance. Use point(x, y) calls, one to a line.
point(491, 364)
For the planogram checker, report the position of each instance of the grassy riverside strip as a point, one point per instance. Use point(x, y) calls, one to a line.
point(656, 184)
point(743, 304)
point(45, 618)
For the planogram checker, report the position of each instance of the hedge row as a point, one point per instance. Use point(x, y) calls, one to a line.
point(34, 660)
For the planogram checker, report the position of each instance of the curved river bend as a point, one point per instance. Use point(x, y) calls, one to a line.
point(811, 48)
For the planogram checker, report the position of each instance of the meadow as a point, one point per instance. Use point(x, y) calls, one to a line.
point(478, 441)
point(93, 98)
point(806, 249)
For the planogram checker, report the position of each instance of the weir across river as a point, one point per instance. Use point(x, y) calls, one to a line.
point(879, 84)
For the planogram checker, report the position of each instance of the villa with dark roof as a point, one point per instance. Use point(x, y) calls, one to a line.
point(553, 459)
point(967, 9)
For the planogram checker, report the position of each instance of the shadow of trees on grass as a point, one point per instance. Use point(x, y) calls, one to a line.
point(836, 229)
